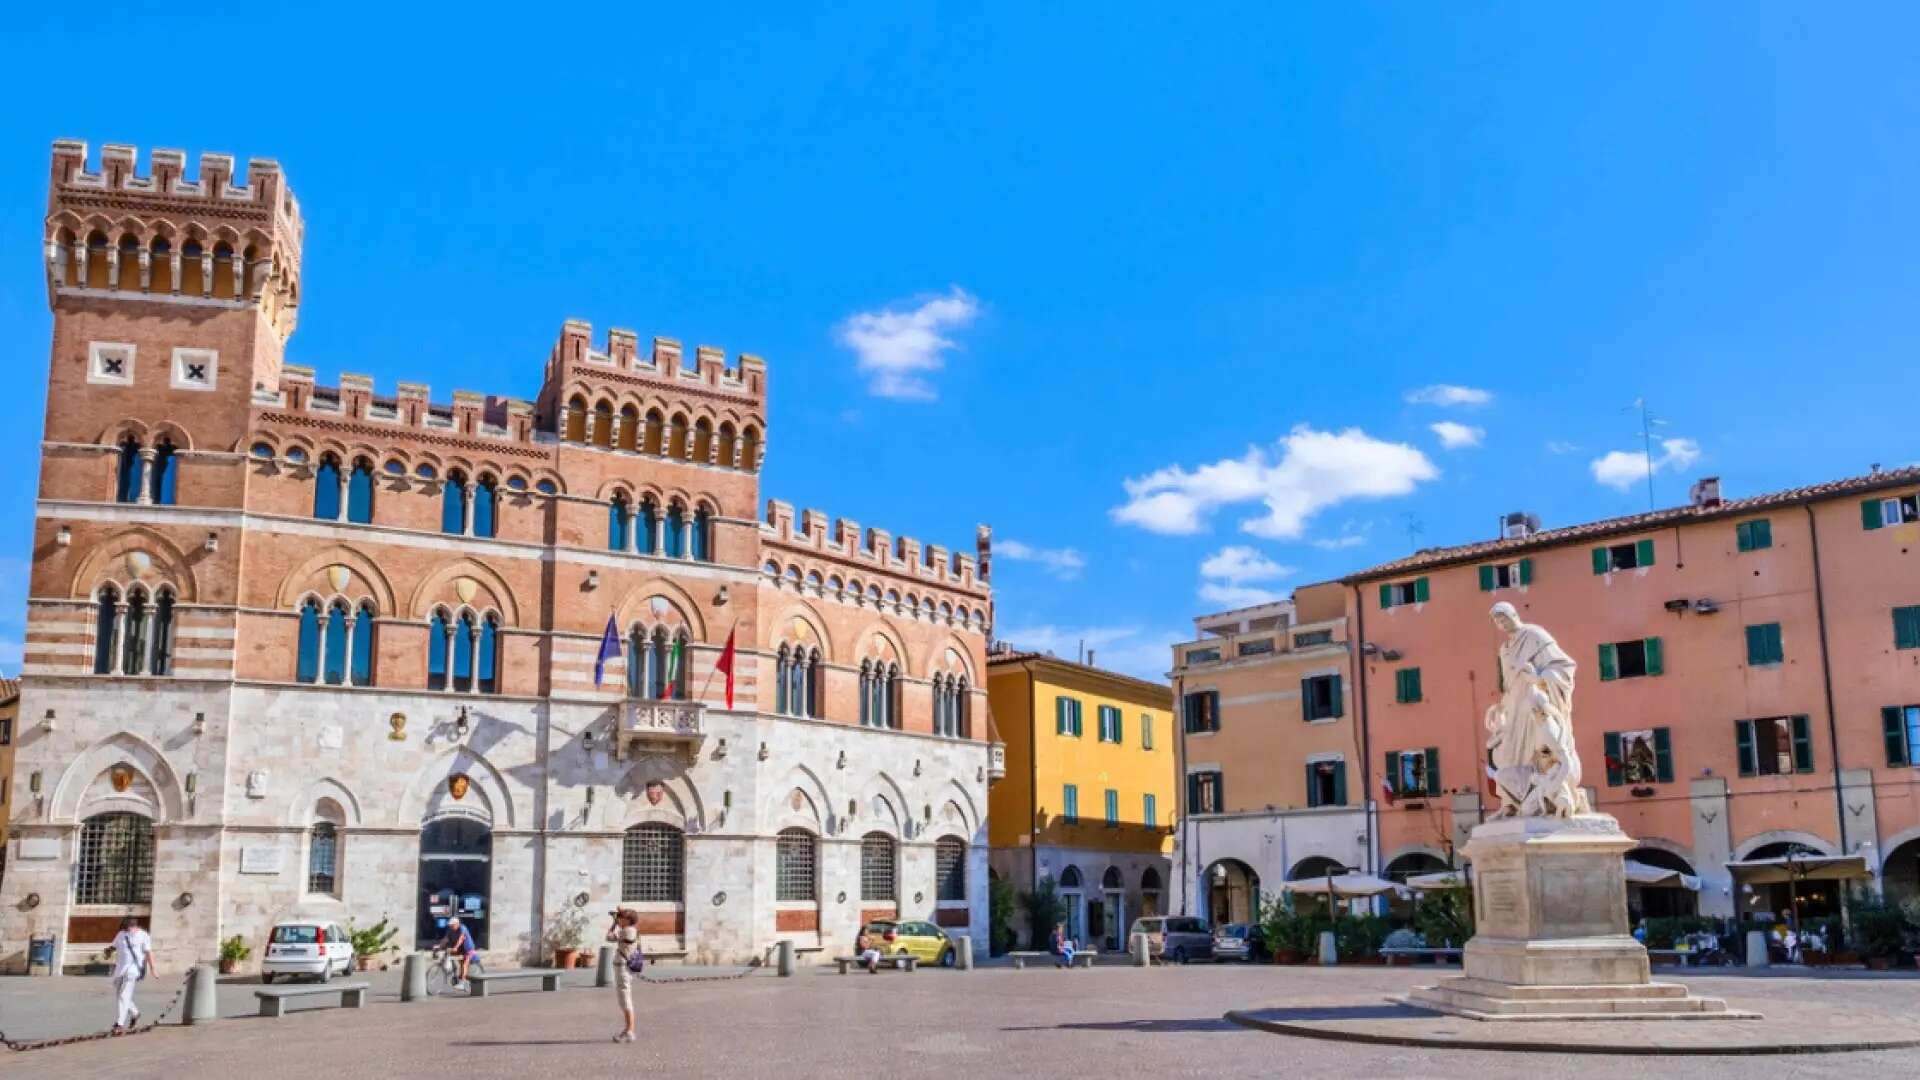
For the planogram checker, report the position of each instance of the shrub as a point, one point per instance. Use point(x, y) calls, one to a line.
point(1664, 930)
point(235, 949)
point(567, 929)
point(373, 939)
point(1444, 917)
point(1045, 910)
point(1000, 904)
point(1881, 928)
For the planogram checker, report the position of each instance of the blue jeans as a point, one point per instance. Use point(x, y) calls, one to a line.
point(1066, 956)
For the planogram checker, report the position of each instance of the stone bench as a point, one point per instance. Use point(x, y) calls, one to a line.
point(1080, 959)
point(273, 1002)
point(1410, 954)
point(898, 963)
point(549, 979)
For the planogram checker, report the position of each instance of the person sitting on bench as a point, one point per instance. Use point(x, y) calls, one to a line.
point(1061, 946)
point(864, 951)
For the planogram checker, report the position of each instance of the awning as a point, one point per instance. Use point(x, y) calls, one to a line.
point(1784, 869)
point(1441, 879)
point(1642, 874)
point(1342, 884)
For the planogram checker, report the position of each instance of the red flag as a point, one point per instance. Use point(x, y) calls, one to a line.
point(726, 664)
point(1386, 785)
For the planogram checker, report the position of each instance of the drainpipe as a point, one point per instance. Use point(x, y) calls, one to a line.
point(1180, 786)
point(1356, 649)
point(1826, 683)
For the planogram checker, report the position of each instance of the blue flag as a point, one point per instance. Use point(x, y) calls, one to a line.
point(609, 650)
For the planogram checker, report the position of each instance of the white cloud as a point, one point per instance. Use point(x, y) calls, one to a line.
point(1555, 446)
point(1229, 575)
point(898, 349)
point(1457, 436)
point(1132, 650)
point(1314, 470)
point(1060, 562)
point(1447, 395)
point(1621, 469)
point(1349, 537)
point(1229, 597)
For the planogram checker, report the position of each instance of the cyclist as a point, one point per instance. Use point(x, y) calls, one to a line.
point(459, 943)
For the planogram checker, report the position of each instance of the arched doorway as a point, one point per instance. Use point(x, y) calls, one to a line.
point(1233, 893)
point(112, 876)
point(1111, 928)
point(1076, 902)
point(1660, 901)
point(1314, 866)
point(1900, 876)
point(1813, 898)
point(456, 877)
point(1149, 892)
point(1411, 864)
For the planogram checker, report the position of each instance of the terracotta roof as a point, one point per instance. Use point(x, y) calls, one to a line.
point(9, 690)
point(1674, 515)
point(995, 659)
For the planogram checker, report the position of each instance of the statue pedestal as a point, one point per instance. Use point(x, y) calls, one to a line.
point(1551, 940)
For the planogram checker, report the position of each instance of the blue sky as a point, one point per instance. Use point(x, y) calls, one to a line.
point(1173, 301)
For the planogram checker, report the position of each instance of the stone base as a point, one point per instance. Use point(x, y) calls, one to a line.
point(1483, 999)
point(1576, 961)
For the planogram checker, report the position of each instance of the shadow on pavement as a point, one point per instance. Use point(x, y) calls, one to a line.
point(1340, 1012)
point(1201, 1023)
point(538, 1042)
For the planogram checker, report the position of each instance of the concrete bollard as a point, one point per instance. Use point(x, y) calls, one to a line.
point(203, 996)
point(413, 976)
point(785, 954)
point(963, 953)
point(1329, 953)
point(603, 969)
point(1757, 949)
point(1138, 947)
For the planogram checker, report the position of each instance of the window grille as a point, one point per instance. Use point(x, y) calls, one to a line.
point(793, 877)
point(950, 869)
point(651, 863)
point(116, 860)
point(322, 852)
point(876, 867)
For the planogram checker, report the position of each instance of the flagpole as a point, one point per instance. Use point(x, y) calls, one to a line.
point(708, 685)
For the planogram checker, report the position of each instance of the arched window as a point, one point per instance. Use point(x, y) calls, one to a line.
point(677, 437)
point(333, 645)
point(486, 505)
point(750, 449)
point(134, 634)
point(162, 633)
point(574, 423)
point(639, 653)
point(815, 691)
point(488, 656)
point(129, 264)
point(729, 444)
point(166, 473)
point(363, 646)
point(326, 489)
point(629, 434)
point(783, 683)
point(676, 531)
point(115, 865)
point(701, 520)
point(652, 865)
point(890, 697)
point(950, 868)
point(793, 866)
point(676, 666)
point(96, 261)
point(651, 440)
point(877, 867)
point(619, 524)
point(703, 440)
point(160, 277)
point(453, 504)
point(657, 664)
point(603, 424)
point(439, 630)
point(323, 842)
point(464, 631)
point(360, 492)
point(866, 693)
point(106, 621)
point(223, 285)
point(132, 470)
point(307, 658)
point(648, 526)
point(193, 281)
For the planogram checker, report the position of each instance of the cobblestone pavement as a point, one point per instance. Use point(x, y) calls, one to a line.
point(1112, 1020)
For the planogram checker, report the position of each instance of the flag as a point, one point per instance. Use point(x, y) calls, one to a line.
point(1386, 785)
point(609, 650)
point(1493, 782)
point(673, 670)
point(726, 664)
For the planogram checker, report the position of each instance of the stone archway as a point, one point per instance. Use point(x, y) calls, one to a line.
point(1233, 892)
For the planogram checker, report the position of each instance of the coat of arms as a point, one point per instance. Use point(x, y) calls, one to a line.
point(457, 785)
point(121, 777)
point(655, 792)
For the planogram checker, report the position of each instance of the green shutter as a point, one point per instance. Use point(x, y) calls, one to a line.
point(1762, 534)
point(1616, 765)
point(1526, 571)
point(1757, 645)
point(1906, 628)
point(1654, 666)
point(1339, 702)
point(1193, 793)
point(1119, 725)
point(1870, 514)
point(1743, 536)
point(1600, 563)
point(1313, 789)
point(1643, 553)
point(1340, 783)
point(1802, 746)
point(1306, 701)
point(1060, 713)
point(1663, 755)
point(1220, 792)
point(1386, 597)
point(1420, 590)
point(1213, 708)
point(1433, 770)
point(1486, 579)
point(1079, 721)
point(1609, 667)
point(1895, 733)
point(1393, 772)
point(1413, 684)
point(1743, 743)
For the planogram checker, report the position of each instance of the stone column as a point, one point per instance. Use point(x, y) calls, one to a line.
point(146, 270)
point(144, 496)
point(173, 265)
point(115, 665)
point(659, 531)
point(466, 509)
point(447, 686)
point(346, 482)
point(632, 514)
point(473, 659)
point(239, 275)
point(150, 621)
point(346, 669)
point(82, 255)
point(206, 273)
point(113, 268)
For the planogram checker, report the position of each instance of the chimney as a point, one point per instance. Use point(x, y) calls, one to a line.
point(1519, 524)
point(1705, 492)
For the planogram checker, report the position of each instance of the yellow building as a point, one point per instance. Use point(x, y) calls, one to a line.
point(1089, 796)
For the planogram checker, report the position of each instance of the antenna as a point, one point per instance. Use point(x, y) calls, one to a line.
point(1647, 423)
point(1414, 530)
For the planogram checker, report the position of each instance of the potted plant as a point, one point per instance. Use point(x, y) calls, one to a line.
point(1879, 930)
point(232, 951)
point(371, 941)
point(1284, 930)
point(565, 931)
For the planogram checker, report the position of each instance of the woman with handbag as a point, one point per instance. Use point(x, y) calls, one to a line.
point(628, 962)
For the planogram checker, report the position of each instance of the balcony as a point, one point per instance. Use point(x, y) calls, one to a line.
point(656, 726)
point(996, 762)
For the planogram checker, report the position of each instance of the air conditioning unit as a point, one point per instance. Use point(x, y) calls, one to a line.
point(1705, 606)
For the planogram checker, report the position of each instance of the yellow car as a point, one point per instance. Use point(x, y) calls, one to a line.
point(923, 941)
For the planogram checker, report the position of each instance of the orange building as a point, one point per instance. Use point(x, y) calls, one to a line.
point(1749, 684)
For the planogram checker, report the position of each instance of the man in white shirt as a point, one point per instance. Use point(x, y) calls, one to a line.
point(132, 961)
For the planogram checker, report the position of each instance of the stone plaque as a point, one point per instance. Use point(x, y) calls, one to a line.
point(1500, 899)
point(38, 847)
point(260, 860)
point(331, 737)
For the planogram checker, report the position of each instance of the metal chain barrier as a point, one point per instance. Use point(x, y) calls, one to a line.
point(741, 974)
point(42, 1044)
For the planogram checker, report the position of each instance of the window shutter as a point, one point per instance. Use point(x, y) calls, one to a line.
point(1526, 571)
point(1600, 563)
point(1654, 666)
point(1802, 746)
point(1060, 714)
point(1663, 755)
point(1313, 789)
point(1413, 684)
point(1220, 793)
point(1643, 553)
point(1906, 628)
point(1420, 590)
point(1609, 668)
point(1079, 722)
point(1306, 700)
point(1213, 709)
point(1895, 734)
point(1193, 793)
point(1743, 536)
point(1338, 707)
point(1762, 534)
point(1340, 783)
point(1400, 685)
point(1870, 514)
point(1616, 771)
point(1756, 644)
point(1743, 743)
point(1119, 736)
point(1386, 597)
point(1486, 579)
point(1393, 772)
point(1433, 770)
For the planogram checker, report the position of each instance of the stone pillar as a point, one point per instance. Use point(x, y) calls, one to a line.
point(785, 956)
point(206, 273)
point(144, 496)
point(658, 531)
point(116, 663)
point(346, 482)
point(150, 622)
point(466, 508)
point(1141, 955)
point(963, 953)
point(1757, 949)
point(1329, 951)
point(113, 268)
point(202, 1005)
point(413, 977)
point(447, 687)
point(633, 529)
point(1712, 845)
point(146, 270)
point(603, 967)
point(173, 268)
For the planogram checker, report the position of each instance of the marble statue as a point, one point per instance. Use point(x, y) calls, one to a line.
point(1535, 769)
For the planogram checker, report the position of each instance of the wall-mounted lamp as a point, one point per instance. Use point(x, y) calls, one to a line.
point(593, 579)
point(193, 782)
point(460, 724)
point(199, 723)
point(33, 782)
point(720, 751)
point(64, 537)
point(1389, 655)
point(31, 901)
point(980, 775)
point(853, 807)
point(726, 799)
point(926, 812)
point(213, 542)
point(586, 739)
point(589, 794)
point(186, 900)
point(764, 752)
point(842, 763)
point(720, 598)
point(48, 722)
point(916, 766)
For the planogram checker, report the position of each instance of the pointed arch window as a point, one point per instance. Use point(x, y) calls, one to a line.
point(866, 693)
point(464, 632)
point(105, 625)
point(323, 846)
point(486, 507)
point(453, 504)
point(603, 424)
point(326, 489)
point(782, 686)
point(134, 633)
point(166, 473)
point(362, 636)
point(162, 633)
point(700, 540)
point(619, 525)
point(676, 532)
point(360, 493)
point(132, 472)
point(639, 663)
point(307, 659)
point(648, 525)
point(333, 645)
point(439, 631)
point(487, 657)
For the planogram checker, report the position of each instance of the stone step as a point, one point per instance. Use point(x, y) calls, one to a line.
point(1482, 1007)
point(1489, 988)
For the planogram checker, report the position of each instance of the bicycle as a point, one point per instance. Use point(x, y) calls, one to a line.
point(443, 977)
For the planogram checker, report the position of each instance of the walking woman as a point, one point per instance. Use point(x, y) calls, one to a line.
point(625, 936)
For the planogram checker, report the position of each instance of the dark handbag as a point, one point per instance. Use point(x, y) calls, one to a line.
point(636, 961)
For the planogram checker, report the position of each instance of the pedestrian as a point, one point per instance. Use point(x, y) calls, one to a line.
point(132, 961)
point(1061, 946)
point(867, 954)
point(625, 935)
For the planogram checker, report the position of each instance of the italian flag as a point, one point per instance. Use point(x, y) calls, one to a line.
point(673, 670)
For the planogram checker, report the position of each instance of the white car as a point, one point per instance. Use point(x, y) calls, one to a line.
point(319, 949)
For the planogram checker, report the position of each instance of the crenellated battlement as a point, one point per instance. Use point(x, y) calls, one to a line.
point(844, 539)
point(216, 188)
point(576, 367)
point(471, 413)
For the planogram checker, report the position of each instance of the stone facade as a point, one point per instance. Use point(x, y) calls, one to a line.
point(287, 627)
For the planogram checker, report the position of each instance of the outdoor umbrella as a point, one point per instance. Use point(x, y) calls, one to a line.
point(1442, 879)
point(1791, 868)
point(1341, 885)
point(1642, 874)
